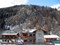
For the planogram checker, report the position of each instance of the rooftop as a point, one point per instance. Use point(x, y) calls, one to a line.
point(9, 32)
point(51, 36)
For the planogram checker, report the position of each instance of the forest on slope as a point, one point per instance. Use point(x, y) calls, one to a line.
point(31, 15)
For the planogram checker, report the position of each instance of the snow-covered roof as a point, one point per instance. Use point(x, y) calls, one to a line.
point(32, 30)
point(9, 32)
point(29, 30)
point(51, 36)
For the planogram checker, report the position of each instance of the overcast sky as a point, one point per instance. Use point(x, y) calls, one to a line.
point(50, 3)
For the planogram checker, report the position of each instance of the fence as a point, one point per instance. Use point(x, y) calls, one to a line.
point(26, 44)
point(7, 43)
point(39, 44)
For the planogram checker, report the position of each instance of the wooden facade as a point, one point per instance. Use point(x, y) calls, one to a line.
point(29, 37)
point(8, 38)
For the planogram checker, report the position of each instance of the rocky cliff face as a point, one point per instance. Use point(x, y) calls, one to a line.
point(31, 16)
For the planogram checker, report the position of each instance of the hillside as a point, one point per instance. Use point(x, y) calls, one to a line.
point(31, 16)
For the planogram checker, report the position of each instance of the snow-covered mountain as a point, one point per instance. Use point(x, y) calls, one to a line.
point(57, 6)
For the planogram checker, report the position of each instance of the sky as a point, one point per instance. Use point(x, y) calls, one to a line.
point(44, 2)
point(49, 3)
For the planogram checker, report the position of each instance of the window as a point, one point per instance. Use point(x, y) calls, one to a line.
point(12, 36)
point(30, 40)
point(34, 40)
point(24, 34)
point(30, 34)
point(4, 36)
point(34, 34)
point(25, 40)
point(18, 34)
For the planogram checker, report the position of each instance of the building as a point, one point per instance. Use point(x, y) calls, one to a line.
point(33, 36)
point(50, 37)
point(29, 36)
point(8, 37)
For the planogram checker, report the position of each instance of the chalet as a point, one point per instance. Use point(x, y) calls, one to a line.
point(29, 36)
point(50, 37)
point(33, 36)
point(8, 37)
